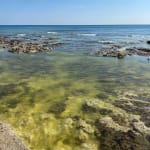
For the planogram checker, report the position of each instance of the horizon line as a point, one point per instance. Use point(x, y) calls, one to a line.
point(68, 24)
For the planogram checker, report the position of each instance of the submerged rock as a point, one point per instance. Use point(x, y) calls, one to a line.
point(119, 137)
point(136, 104)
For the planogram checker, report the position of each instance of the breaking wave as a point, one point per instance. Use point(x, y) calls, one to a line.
point(88, 34)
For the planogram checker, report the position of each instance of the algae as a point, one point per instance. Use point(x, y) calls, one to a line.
point(75, 102)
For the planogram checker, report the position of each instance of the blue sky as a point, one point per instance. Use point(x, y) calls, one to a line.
point(74, 12)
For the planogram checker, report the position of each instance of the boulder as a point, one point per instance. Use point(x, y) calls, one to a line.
point(121, 54)
point(9, 140)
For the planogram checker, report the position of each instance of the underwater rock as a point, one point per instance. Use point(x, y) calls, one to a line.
point(83, 125)
point(9, 140)
point(117, 137)
point(8, 89)
point(97, 106)
point(136, 104)
point(57, 108)
point(88, 146)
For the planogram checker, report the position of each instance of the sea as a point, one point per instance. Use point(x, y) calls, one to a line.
point(43, 96)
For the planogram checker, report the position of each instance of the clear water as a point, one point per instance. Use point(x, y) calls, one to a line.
point(39, 92)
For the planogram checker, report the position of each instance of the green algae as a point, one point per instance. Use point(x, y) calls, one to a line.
point(45, 98)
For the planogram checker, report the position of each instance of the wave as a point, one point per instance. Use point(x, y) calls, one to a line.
point(137, 36)
point(88, 34)
point(51, 32)
point(21, 35)
point(106, 42)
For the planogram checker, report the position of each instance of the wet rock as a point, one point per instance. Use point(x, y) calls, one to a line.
point(83, 125)
point(9, 140)
point(136, 104)
point(116, 52)
point(88, 146)
point(140, 127)
point(8, 89)
point(148, 42)
point(97, 106)
point(113, 137)
point(57, 108)
point(121, 54)
point(139, 51)
point(111, 52)
point(27, 46)
point(2, 40)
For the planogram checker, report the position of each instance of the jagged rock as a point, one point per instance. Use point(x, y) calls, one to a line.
point(115, 52)
point(115, 137)
point(138, 51)
point(24, 46)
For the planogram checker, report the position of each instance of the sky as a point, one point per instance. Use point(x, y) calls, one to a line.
point(74, 12)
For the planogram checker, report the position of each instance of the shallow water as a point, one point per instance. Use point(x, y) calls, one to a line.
point(40, 93)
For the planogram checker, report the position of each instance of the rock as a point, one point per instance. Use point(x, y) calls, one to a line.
point(116, 52)
point(23, 46)
point(114, 138)
point(83, 125)
point(89, 146)
point(121, 54)
point(138, 51)
point(9, 140)
point(98, 106)
point(148, 42)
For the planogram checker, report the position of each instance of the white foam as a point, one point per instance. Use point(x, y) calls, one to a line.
point(51, 32)
point(106, 42)
point(21, 35)
point(137, 36)
point(90, 34)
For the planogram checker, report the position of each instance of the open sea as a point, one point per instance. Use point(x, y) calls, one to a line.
point(58, 100)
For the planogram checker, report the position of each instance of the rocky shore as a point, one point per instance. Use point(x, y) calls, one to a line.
point(16, 45)
point(121, 125)
point(9, 140)
point(121, 53)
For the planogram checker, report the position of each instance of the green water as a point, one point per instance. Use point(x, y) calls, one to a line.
point(40, 93)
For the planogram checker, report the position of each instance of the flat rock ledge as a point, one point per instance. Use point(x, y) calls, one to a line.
point(9, 140)
point(113, 52)
point(22, 46)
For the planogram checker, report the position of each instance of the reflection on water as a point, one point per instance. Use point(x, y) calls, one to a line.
point(47, 97)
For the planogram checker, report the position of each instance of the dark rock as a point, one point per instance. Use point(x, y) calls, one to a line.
point(24, 46)
point(148, 42)
point(139, 51)
point(112, 139)
point(57, 108)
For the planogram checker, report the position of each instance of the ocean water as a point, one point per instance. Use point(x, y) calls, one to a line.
point(43, 95)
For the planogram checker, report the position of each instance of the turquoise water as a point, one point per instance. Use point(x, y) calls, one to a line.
point(42, 94)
